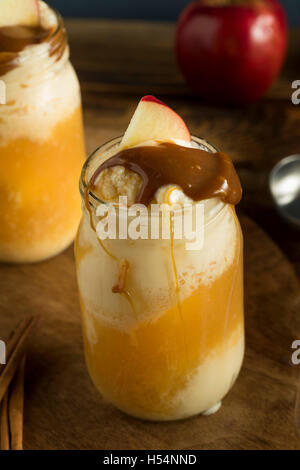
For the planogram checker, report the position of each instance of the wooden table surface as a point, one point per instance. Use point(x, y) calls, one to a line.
point(63, 409)
point(117, 63)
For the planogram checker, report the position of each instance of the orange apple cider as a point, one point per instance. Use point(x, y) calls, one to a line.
point(41, 141)
point(172, 345)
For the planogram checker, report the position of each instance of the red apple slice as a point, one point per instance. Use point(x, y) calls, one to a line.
point(154, 120)
point(19, 12)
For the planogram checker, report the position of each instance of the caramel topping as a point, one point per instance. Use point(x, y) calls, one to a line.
point(16, 38)
point(119, 288)
point(13, 39)
point(200, 174)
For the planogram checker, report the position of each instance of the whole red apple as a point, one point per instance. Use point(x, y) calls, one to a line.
point(231, 51)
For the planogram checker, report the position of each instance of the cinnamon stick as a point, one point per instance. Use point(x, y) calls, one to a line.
point(16, 408)
point(4, 424)
point(15, 351)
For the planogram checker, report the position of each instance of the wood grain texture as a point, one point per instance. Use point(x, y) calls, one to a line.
point(16, 407)
point(117, 62)
point(4, 424)
point(63, 410)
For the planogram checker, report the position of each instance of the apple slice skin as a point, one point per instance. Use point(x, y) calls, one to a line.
point(152, 99)
point(154, 120)
point(19, 13)
point(38, 10)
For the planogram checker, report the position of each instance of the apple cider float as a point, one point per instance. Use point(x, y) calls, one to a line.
point(163, 324)
point(41, 134)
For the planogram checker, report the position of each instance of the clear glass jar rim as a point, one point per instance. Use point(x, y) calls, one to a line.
point(60, 23)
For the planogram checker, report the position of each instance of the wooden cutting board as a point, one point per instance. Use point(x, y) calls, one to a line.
point(65, 411)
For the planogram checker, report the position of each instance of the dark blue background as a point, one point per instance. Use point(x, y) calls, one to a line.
point(144, 9)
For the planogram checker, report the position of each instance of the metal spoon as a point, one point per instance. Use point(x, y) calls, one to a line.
point(285, 188)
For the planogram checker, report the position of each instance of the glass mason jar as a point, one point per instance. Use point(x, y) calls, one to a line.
point(172, 347)
point(41, 143)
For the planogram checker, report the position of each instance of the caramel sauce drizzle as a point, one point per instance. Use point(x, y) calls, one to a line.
point(177, 289)
point(120, 287)
point(14, 39)
point(200, 174)
point(89, 189)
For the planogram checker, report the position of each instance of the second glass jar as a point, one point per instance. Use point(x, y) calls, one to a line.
point(41, 144)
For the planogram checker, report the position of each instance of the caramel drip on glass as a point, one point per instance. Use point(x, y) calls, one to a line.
point(123, 270)
point(177, 288)
point(88, 189)
point(14, 39)
point(120, 287)
point(235, 273)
